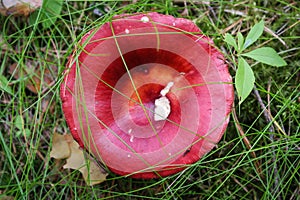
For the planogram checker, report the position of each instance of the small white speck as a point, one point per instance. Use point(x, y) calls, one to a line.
point(131, 138)
point(182, 73)
point(75, 129)
point(126, 31)
point(129, 131)
point(145, 19)
point(157, 126)
point(128, 155)
point(174, 24)
point(170, 154)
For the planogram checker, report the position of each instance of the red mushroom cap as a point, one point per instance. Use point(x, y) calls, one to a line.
point(147, 94)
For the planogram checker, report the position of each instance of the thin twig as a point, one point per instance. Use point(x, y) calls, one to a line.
point(247, 143)
point(271, 130)
point(231, 26)
point(268, 30)
point(277, 126)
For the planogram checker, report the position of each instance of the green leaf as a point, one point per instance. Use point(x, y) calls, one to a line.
point(240, 38)
point(19, 122)
point(27, 132)
point(254, 34)
point(244, 80)
point(48, 14)
point(266, 55)
point(52, 9)
point(18, 133)
point(230, 40)
point(4, 85)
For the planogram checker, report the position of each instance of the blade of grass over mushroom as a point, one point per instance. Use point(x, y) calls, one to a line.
point(135, 88)
point(81, 101)
point(106, 81)
point(138, 103)
point(130, 77)
point(203, 84)
point(156, 32)
point(186, 148)
point(90, 139)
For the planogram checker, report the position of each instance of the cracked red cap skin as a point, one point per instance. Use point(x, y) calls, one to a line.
point(116, 74)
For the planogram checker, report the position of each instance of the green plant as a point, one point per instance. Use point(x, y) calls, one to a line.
point(48, 14)
point(244, 79)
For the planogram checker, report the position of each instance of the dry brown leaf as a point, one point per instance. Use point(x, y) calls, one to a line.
point(92, 173)
point(76, 159)
point(19, 7)
point(7, 197)
point(60, 147)
point(64, 146)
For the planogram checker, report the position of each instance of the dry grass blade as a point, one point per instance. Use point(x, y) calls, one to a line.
point(257, 163)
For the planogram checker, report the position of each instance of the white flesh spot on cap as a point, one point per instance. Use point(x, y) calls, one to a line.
point(131, 138)
point(162, 109)
point(162, 105)
point(164, 91)
point(145, 19)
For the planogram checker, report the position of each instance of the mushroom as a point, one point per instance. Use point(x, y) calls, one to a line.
point(147, 94)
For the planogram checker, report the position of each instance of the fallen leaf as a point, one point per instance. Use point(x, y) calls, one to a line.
point(7, 197)
point(19, 7)
point(65, 147)
point(92, 173)
point(76, 159)
point(60, 147)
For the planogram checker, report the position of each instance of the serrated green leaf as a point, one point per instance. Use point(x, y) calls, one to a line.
point(244, 80)
point(266, 55)
point(230, 40)
point(240, 38)
point(254, 34)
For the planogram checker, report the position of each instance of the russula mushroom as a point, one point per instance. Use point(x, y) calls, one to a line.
point(147, 94)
